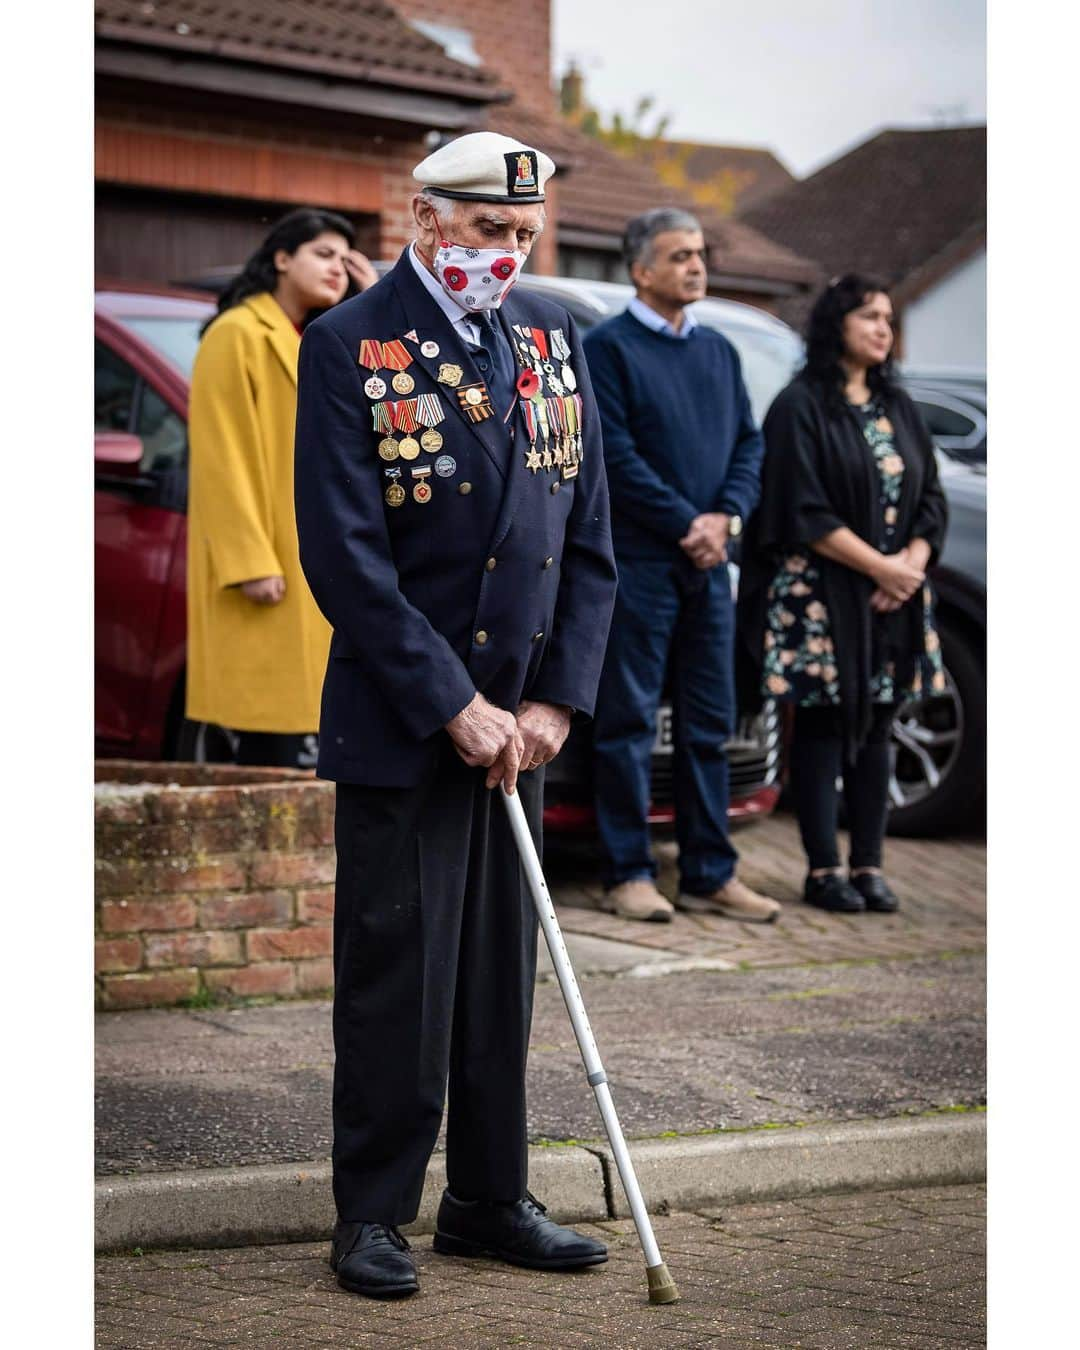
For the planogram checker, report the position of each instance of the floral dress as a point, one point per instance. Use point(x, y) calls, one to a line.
point(800, 660)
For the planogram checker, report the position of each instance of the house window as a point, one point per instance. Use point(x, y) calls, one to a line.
point(591, 264)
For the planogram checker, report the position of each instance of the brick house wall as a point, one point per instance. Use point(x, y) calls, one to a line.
point(212, 882)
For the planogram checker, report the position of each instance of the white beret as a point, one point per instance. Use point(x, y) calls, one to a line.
point(485, 166)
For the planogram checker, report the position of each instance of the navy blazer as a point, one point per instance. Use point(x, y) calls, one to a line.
point(502, 582)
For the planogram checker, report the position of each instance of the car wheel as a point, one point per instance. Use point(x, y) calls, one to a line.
point(205, 743)
point(938, 748)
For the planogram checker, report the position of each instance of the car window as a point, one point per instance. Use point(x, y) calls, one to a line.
point(163, 434)
point(114, 390)
point(769, 360)
point(177, 340)
point(945, 421)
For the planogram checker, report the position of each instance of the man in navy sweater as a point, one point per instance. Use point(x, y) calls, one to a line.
point(683, 461)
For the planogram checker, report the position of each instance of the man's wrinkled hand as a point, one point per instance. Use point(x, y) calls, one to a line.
point(488, 737)
point(265, 590)
point(544, 728)
point(705, 542)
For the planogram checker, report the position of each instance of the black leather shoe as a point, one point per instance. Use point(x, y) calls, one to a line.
point(876, 892)
point(833, 892)
point(519, 1233)
point(373, 1259)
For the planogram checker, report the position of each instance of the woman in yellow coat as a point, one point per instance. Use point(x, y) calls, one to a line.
point(257, 643)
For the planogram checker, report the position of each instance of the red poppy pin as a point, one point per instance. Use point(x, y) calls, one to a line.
point(503, 268)
point(455, 278)
point(528, 383)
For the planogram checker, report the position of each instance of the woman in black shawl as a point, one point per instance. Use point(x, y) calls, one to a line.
point(835, 613)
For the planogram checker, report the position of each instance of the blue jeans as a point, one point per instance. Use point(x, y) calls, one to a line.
point(667, 613)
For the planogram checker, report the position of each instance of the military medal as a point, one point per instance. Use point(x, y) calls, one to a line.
point(475, 402)
point(561, 349)
point(371, 358)
point(422, 489)
point(394, 495)
point(547, 459)
point(557, 417)
point(446, 466)
point(403, 414)
point(449, 374)
point(429, 413)
point(429, 349)
point(395, 356)
point(381, 419)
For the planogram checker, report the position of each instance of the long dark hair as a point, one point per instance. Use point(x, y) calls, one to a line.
point(259, 273)
point(825, 340)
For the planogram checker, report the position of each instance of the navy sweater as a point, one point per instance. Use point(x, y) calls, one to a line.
point(679, 436)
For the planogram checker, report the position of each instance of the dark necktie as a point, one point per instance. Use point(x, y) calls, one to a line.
point(503, 374)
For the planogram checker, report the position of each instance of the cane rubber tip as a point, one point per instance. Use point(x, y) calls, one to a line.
point(662, 1288)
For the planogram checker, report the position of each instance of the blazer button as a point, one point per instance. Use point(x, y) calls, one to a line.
point(537, 636)
point(490, 565)
point(464, 488)
point(555, 486)
point(548, 562)
point(481, 638)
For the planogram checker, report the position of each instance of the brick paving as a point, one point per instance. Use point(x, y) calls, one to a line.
point(941, 884)
point(896, 1270)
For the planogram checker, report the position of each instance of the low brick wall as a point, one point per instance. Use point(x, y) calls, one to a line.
point(211, 882)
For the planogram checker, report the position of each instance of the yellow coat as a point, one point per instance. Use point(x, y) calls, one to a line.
point(250, 667)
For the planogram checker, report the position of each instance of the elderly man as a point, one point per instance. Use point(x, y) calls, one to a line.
point(453, 521)
point(683, 460)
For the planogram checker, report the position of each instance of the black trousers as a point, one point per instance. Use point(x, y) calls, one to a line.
point(434, 966)
point(817, 761)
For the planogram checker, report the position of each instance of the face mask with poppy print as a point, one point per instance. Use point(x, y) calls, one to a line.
point(477, 278)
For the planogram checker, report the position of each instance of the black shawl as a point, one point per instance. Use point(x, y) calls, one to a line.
point(819, 474)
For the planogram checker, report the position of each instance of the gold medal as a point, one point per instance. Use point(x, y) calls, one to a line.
point(431, 440)
point(395, 494)
point(421, 493)
point(403, 382)
point(388, 448)
point(449, 374)
point(408, 448)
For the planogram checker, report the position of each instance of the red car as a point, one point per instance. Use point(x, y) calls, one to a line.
point(145, 344)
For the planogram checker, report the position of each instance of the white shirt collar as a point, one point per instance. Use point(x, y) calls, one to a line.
point(460, 320)
point(649, 317)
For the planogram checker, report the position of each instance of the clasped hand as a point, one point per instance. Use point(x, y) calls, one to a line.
point(489, 737)
point(898, 577)
point(705, 542)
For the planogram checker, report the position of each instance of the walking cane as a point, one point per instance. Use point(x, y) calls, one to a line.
point(662, 1287)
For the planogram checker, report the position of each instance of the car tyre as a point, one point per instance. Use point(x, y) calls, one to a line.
point(204, 743)
point(938, 748)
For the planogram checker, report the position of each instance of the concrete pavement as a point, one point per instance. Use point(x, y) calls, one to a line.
point(896, 1270)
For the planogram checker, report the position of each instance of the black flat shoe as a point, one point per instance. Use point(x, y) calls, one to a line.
point(875, 891)
point(519, 1233)
point(373, 1259)
point(833, 892)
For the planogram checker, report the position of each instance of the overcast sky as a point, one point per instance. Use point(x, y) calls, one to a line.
point(807, 79)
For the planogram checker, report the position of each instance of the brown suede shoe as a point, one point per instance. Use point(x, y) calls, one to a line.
point(637, 900)
point(732, 901)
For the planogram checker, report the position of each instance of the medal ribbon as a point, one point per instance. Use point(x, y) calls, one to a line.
point(540, 338)
point(542, 416)
point(429, 410)
point(395, 355)
point(404, 415)
point(380, 416)
point(528, 407)
point(371, 354)
point(559, 344)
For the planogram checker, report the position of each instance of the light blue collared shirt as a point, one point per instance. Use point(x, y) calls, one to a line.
point(649, 317)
